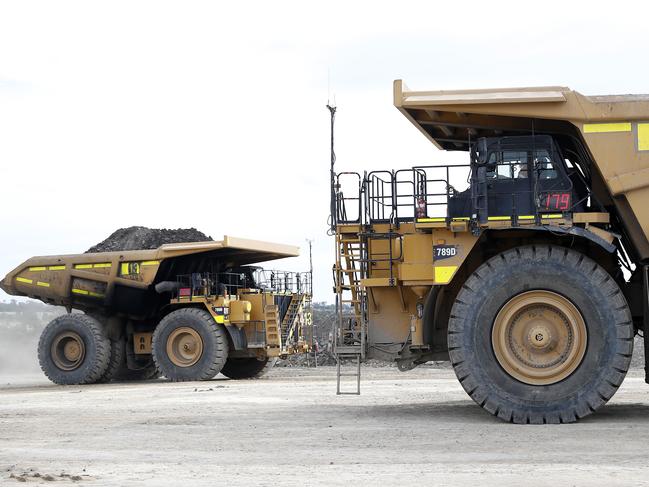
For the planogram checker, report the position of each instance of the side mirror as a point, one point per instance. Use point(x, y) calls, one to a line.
point(479, 152)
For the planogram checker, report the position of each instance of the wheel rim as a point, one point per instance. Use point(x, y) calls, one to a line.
point(539, 337)
point(184, 346)
point(68, 351)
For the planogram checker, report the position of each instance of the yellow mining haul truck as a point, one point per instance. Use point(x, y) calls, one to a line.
point(187, 311)
point(526, 267)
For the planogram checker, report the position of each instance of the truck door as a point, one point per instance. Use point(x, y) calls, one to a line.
point(509, 183)
point(553, 186)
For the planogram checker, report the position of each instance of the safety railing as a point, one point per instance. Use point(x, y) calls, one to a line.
point(379, 196)
point(436, 189)
point(197, 284)
point(283, 281)
point(398, 196)
point(348, 208)
point(444, 191)
point(204, 284)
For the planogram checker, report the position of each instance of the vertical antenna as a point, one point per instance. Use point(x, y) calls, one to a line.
point(313, 331)
point(332, 174)
point(329, 86)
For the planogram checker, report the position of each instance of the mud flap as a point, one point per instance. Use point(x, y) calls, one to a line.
point(238, 337)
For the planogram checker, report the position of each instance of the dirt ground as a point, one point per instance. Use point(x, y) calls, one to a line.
point(291, 429)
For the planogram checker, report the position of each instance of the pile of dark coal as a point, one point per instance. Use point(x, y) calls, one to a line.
point(141, 238)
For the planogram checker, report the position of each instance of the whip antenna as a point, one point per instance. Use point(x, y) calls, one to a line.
point(332, 173)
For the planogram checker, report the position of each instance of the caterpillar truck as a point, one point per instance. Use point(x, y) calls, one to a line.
point(525, 267)
point(187, 311)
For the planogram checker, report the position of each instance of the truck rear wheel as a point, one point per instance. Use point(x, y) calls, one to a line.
point(189, 345)
point(247, 368)
point(73, 349)
point(118, 369)
point(115, 361)
point(135, 367)
point(148, 371)
point(540, 334)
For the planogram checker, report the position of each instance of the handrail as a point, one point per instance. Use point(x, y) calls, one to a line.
point(394, 197)
point(341, 200)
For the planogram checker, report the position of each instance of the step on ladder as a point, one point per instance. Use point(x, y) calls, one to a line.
point(273, 337)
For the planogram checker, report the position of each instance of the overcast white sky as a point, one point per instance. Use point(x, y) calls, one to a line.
point(212, 114)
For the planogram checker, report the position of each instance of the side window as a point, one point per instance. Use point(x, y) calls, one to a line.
point(508, 165)
point(544, 165)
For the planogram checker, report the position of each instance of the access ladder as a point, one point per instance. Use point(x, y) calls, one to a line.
point(350, 326)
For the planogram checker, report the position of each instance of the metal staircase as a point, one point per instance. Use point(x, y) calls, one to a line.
point(290, 321)
point(350, 328)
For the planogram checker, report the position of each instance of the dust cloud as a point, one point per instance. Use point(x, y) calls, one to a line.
point(21, 324)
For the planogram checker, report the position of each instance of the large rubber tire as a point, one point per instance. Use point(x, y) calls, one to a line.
point(115, 361)
point(118, 371)
point(247, 368)
point(148, 371)
point(567, 273)
point(144, 366)
point(214, 345)
point(96, 349)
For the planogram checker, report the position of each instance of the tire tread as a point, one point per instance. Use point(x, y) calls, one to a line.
point(102, 355)
point(613, 375)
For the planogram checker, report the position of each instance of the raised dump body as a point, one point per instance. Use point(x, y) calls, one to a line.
point(526, 267)
point(218, 312)
point(606, 136)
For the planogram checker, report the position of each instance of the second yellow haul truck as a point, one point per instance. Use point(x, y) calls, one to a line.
point(526, 267)
point(187, 311)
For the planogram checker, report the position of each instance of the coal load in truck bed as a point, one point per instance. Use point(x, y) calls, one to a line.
point(143, 238)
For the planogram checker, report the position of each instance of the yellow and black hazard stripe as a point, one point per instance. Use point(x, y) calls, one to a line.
point(85, 292)
point(26, 280)
point(100, 265)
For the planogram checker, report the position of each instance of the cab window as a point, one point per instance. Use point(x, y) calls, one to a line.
point(507, 165)
point(544, 165)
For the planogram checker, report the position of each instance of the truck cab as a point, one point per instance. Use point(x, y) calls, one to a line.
point(518, 176)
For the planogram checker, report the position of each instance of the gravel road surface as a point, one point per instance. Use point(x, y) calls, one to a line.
point(290, 428)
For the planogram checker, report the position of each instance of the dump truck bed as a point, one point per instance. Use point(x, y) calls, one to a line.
point(450, 119)
point(94, 279)
point(612, 129)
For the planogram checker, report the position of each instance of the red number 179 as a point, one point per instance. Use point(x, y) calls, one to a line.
point(558, 201)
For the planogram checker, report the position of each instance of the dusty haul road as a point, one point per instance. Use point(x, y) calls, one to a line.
point(291, 429)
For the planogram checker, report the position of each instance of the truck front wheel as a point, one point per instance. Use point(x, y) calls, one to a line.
point(540, 334)
point(73, 349)
point(189, 345)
